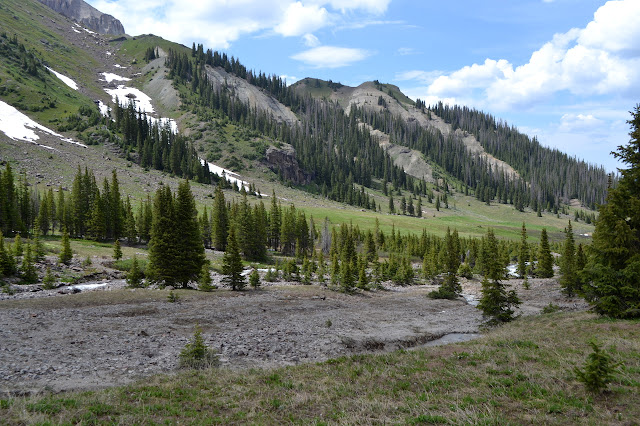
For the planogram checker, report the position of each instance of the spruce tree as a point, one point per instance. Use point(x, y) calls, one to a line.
point(523, 253)
point(254, 279)
point(48, 282)
point(612, 285)
point(205, 281)
point(65, 253)
point(7, 263)
point(232, 263)
point(568, 274)
point(28, 269)
point(450, 287)
point(134, 276)
point(219, 220)
point(544, 268)
point(117, 250)
point(496, 302)
point(162, 265)
point(188, 244)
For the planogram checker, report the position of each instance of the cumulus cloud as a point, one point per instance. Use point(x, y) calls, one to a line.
point(331, 56)
point(601, 59)
point(218, 23)
point(311, 41)
point(299, 19)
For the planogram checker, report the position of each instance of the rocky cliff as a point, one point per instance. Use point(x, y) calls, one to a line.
point(86, 15)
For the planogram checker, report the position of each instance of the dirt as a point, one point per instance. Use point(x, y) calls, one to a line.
point(59, 340)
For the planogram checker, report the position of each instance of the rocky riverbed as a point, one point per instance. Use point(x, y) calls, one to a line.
point(60, 339)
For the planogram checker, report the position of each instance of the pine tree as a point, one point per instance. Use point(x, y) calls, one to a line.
point(65, 253)
point(205, 281)
point(188, 244)
point(450, 287)
point(135, 275)
point(254, 279)
point(18, 250)
point(523, 253)
point(48, 282)
point(496, 302)
point(219, 220)
point(612, 285)
point(568, 274)
point(545, 259)
point(117, 250)
point(28, 269)
point(162, 265)
point(232, 263)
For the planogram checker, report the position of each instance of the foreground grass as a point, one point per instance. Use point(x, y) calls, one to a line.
point(520, 373)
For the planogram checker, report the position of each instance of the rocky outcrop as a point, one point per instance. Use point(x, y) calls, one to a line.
point(283, 161)
point(86, 15)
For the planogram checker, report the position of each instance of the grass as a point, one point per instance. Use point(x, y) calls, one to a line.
point(519, 373)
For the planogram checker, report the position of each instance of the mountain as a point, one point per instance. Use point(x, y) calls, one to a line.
point(369, 147)
point(86, 15)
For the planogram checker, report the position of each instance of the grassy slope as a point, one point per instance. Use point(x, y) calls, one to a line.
point(34, 25)
point(519, 373)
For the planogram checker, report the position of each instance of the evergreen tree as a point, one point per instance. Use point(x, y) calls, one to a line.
point(65, 253)
point(450, 287)
point(48, 282)
point(117, 250)
point(188, 244)
point(219, 220)
point(545, 259)
point(205, 281)
point(162, 265)
point(18, 250)
point(232, 263)
point(612, 284)
point(568, 273)
point(7, 263)
point(274, 222)
point(523, 253)
point(254, 279)
point(496, 302)
point(135, 275)
point(28, 268)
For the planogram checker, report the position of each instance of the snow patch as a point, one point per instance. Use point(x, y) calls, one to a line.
point(109, 53)
point(89, 31)
point(104, 109)
point(109, 77)
point(66, 80)
point(75, 30)
point(119, 66)
point(18, 126)
point(226, 174)
point(140, 99)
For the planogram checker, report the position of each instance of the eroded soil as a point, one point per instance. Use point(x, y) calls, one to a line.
point(112, 336)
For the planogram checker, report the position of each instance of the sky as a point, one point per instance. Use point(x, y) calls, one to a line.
point(565, 71)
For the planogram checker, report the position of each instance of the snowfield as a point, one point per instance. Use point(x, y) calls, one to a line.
point(66, 80)
point(109, 77)
point(228, 174)
point(141, 102)
point(18, 126)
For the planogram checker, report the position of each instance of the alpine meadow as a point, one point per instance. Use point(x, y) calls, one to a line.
point(188, 238)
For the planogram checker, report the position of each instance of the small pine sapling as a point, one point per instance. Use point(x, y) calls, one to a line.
point(196, 354)
point(599, 370)
point(117, 250)
point(135, 275)
point(254, 279)
point(49, 280)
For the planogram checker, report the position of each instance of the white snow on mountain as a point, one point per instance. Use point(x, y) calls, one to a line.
point(66, 80)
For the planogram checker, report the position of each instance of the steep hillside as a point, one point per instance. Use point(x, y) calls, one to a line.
point(86, 15)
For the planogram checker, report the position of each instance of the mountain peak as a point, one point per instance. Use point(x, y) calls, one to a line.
point(86, 15)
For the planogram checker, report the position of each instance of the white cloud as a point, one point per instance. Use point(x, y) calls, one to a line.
point(299, 19)
point(601, 59)
point(311, 41)
point(218, 23)
point(406, 51)
point(331, 56)
point(290, 79)
point(372, 6)
point(579, 123)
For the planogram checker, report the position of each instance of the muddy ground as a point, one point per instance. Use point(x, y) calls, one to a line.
point(53, 342)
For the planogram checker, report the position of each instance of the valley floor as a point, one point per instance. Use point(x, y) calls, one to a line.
point(113, 336)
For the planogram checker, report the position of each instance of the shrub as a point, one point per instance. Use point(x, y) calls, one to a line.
point(196, 354)
point(599, 370)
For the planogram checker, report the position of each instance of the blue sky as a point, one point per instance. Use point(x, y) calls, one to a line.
point(566, 71)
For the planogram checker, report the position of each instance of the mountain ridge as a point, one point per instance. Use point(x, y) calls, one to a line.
point(86, 15)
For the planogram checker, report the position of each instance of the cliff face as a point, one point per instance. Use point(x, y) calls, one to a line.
point(284, 161)
point(87, 15)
